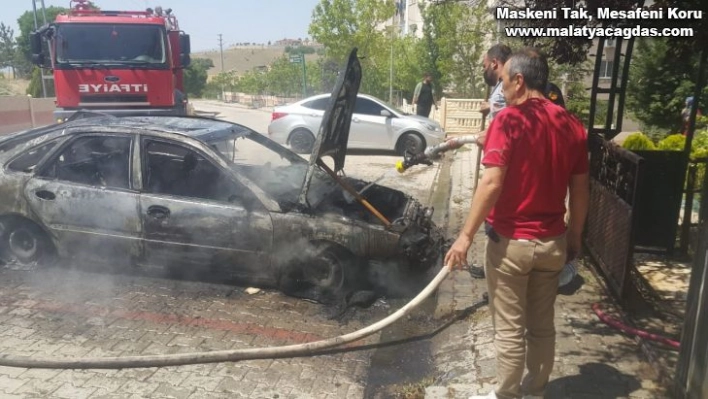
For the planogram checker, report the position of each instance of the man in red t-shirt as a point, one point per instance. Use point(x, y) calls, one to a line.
point(534, 153)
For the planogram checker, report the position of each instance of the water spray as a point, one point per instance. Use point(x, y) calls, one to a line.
point(433, 153)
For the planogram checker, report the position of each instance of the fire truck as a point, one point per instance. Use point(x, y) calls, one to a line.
point(116, 62)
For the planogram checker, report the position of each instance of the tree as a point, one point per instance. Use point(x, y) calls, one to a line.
point(8, 48)
point(341, 25)
point(661, 77)
point(35, 87)
point(23, 60)
point(327, 78)
point(195, 76)
point(26, 24)
point(562, 50)
point(454, 42)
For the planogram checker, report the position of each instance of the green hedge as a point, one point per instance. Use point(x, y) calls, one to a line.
point(673, 142)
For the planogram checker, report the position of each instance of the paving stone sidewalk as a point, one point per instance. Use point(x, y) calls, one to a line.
point(592, 359)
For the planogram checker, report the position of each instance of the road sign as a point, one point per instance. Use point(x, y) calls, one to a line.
point(300, 59)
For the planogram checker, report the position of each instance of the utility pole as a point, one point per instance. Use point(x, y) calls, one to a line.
point(390, 69)
point(221, 47)
point(41, 70)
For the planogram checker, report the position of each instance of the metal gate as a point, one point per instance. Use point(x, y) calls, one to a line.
point(614, 177)
point(692, 371)
point(615, 173)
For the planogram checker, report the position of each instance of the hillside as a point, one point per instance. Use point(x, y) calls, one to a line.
point(244, 58)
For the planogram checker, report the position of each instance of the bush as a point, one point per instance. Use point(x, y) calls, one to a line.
point(637, 142)
point(699, 146)
point(673, 142)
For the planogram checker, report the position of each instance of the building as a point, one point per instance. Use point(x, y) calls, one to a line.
point(408, 19)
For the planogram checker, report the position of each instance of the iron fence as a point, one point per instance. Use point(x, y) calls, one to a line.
point(615, 174)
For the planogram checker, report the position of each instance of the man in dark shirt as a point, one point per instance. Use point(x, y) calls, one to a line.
point(423, 96)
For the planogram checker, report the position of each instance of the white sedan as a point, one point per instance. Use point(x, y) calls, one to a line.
point(374, 125)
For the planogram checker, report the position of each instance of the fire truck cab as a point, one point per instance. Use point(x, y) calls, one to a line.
point(117, 62)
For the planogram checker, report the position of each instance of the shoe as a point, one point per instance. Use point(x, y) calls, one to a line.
point(476, 272)
point(491, 395)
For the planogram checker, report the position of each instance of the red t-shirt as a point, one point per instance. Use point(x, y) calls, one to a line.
point(542, 146)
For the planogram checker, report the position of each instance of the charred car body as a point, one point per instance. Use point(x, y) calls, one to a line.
point(202, 196)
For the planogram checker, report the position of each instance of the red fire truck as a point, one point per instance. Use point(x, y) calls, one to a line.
point(117, 62)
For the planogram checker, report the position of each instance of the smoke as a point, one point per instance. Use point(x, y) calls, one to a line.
point(392, 279)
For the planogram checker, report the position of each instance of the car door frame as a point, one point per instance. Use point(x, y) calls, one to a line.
point(258, 213)
point(312, 117)
point(125, 240)
point(371, 131)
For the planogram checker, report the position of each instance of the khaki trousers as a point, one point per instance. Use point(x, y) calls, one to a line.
point(522, 279)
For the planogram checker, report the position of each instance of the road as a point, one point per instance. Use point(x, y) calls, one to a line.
point(74, 311)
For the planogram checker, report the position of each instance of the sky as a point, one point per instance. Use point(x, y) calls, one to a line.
point(251, 21)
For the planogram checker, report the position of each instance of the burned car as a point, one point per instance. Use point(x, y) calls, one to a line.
point(199, 196)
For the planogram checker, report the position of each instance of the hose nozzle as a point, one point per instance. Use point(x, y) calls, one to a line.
point(433, 152)
point(410, 159)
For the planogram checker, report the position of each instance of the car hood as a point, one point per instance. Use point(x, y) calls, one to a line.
point(333, 135)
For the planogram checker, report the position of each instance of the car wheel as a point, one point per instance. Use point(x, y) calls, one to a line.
point(301, 141)
point(24, 243)
point(410, 142)
point(324, 274)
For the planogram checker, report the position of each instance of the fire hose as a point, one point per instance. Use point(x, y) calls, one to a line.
point(633, 331)
point(180, 359)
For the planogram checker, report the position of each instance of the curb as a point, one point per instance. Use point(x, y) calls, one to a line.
point(459, 296)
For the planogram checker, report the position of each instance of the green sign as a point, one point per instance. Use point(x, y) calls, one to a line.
point(300, 59)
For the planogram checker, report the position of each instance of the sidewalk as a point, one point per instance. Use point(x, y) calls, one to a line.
point(592, 359)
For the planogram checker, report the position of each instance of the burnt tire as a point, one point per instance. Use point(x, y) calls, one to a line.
point(325, 274)
point(410, 142)
point(24, 243)
point(301, 141)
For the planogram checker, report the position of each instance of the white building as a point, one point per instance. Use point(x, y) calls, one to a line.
point(408, 19)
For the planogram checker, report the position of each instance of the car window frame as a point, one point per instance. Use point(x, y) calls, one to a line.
point(370, 101)
point(143, 139)
point(324, 100)
point(58, 140)
point(40, 171)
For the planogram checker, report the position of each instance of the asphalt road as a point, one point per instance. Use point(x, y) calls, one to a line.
point(74, 311)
